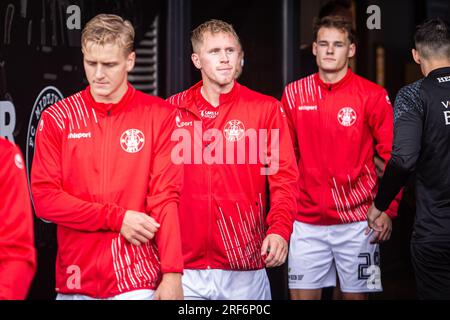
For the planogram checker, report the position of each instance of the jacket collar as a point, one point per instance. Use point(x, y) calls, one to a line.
point(109, 108)
point(194, 97)
point(439, 72)
point(337, 85)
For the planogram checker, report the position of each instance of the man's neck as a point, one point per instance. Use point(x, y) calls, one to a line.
point(332, 77)
point(430, 65)
point(211, 92)
point(113, 98)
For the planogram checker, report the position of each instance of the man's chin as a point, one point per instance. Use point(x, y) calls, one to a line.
point(100, 95)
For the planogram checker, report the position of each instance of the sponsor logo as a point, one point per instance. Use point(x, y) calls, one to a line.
point(388, 100)
point(209, 114)
point(347, 117)
point(307, 108)
point(18, 161)
point(443, 79)
point(234, 130)
point(86, 135)
point(132, 141)
point(182, 124)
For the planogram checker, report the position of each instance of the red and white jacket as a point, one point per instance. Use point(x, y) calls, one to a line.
point(224, 200)
point(94, 161)
point(17, 252)
point(336, 130)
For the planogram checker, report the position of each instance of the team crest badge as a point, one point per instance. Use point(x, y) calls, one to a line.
point(234, 130)
point(347, 117)
point(132, 141)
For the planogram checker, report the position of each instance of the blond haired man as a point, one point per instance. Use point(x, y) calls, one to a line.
point(245, 150)
point(102, 173)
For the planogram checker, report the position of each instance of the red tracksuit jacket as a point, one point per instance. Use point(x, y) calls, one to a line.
point(93, 162)
point(17, 252)
point(223, 203)
point(335, 129)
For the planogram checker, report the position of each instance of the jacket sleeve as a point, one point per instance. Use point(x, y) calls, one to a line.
point(51, 201)
point(407, 146)
point(282, 175)
point(164, 192)
point(381, 123)
point(289, 110)
point(17, 252)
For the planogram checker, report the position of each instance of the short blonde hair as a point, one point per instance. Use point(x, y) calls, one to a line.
point(212, 26)
point(109, 29)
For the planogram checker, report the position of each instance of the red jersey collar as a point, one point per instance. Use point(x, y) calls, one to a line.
point(339, 84)
point(109, 108)
point(196, 97)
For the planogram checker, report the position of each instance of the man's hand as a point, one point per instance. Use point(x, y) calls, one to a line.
point(383, 223)
point(138, 228)
point(170, 287)
point(275, 249)
point(372, 215)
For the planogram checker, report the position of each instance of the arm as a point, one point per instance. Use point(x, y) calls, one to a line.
point(162, 204)
point(381, 123)
point(288, 103)
point(51, 201)
point(17, 252)
point(406, 150)
point(282, 178)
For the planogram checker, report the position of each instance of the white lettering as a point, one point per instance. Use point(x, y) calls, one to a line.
point(74, 281)
point(258, 146)
point(374, 20)
point(443, 79)
point(447, 118)
point(79, 135)
point(307, 108)
point(74, 20)
point(7, 127)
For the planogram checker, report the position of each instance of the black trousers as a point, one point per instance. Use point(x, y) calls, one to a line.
point(431, 262)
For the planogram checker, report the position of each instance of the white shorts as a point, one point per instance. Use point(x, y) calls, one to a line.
point(131, 295)
point(315, 252)
point(216, 284)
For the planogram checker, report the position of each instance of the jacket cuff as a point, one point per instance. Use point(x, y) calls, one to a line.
point(114, 218)
point(285, 235)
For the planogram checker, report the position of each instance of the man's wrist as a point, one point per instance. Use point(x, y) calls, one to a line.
point(172, 276)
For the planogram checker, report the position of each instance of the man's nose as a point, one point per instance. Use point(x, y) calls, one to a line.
point(99, 71)
point(330, 49)
point(224, 56)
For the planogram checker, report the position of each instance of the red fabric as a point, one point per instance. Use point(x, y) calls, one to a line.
point(207, 112)
point(93, 162)
point(223, 203)
point(336, 130)
point(17, 252)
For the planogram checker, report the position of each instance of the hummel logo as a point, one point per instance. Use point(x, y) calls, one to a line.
point(82, 135)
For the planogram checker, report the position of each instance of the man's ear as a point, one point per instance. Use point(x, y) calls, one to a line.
point(131, 60)
point(352, 50)
point(314, 48)
point(196, 61)
point(416, 56)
